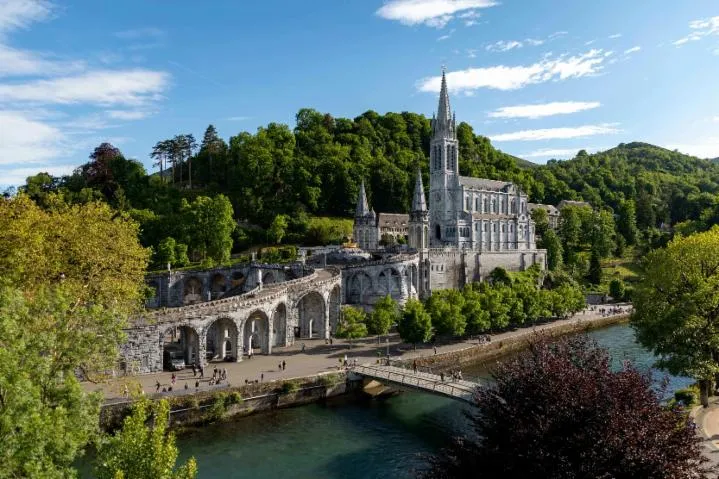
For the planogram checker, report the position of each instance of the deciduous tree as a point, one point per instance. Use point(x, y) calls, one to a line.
point(415, 326)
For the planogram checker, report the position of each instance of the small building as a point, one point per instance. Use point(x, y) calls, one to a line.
point(552, 213)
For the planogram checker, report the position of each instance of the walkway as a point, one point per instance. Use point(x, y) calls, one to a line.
point(707, 420)
point(418, 380)
point(317, 357)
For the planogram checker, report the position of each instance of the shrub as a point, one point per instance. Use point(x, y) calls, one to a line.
point(218, 408)
point(617, 289)
point(688, 397)
point(234, 398)
point(290, 387)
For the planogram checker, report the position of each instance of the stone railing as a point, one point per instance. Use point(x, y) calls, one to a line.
point(400, 258)
point(255, 297)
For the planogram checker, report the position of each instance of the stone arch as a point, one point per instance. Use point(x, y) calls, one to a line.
point(192, 290)
point(221, 340)
point(269, 278)
point(279, 324)
point(238, 279)
point(335, 303)
point(311, 313)
point(256, 332)
point(390, 282)
point(218, 285)
point(182, 343)
point(358, 287)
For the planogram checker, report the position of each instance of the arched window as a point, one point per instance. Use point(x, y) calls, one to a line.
point(514, 206)
point(486, 205)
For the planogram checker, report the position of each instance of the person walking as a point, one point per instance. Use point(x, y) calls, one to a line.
point(284, 364)
point(262, 377)
point(202, 372)
point(194, 371)
point(197, 385)
point(414, 366)
point(157, 386)
point(173, 378)
point(435, 350)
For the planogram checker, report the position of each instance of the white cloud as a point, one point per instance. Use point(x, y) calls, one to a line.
point(616, 35)
point(557, 133)
point(238, 118)
point(127, 114)
point(504, 77)
point(447, 36)
point(543, 110)
point(26, 140)
point(632, 50)
point(504, 46)
point(557, 34)
point(705, 148)
point(433, 13)
point(534, 42)
point(589, 42)
point(15, 62)
point(558, 153)
point(17, 14)
point(101, 87)
point(700, 29)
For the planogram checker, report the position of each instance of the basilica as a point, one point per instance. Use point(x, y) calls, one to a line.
point(468, 227)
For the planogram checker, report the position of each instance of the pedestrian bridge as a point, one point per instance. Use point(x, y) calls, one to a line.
point(418, 381)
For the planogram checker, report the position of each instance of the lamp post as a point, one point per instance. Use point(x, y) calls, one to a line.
point(387, 341)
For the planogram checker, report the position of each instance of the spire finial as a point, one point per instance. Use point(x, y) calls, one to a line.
point(362, 205)
point(418, 202)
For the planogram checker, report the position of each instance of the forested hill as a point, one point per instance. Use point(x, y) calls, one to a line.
point(316, 169)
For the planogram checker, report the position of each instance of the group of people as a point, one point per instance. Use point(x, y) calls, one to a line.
point(281, 366)
point(610, 311)
point(455, 375)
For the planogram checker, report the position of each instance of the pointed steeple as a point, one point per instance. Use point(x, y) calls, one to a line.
point(418, 202)
point(362, 205)
point(444, 114)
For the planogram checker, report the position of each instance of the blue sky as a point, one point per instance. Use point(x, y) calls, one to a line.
point(541, 78)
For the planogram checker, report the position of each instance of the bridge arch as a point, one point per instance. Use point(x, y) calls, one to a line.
point(269, 278)
point(390, 282)
point(279, 324)
point(312, 316)
point(359, 286)
point(183, 339)
point(218, 285)
point(192, 290)
point(222, 340)
point(256, 333)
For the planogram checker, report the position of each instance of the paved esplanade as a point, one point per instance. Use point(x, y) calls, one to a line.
point(317, 357)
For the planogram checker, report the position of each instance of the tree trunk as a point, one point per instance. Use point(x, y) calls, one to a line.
point(704, 386)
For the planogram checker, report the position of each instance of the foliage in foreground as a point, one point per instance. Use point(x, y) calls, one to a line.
point(677, 307)
point(140, 451)
point(559, 411)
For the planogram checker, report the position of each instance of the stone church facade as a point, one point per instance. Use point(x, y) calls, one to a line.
point(470, 226)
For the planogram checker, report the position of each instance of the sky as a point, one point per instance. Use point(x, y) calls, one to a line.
point(541, 78)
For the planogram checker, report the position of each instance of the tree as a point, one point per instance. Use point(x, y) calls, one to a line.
point(677, 307)
point(595, 268)
point(181, 258)
point(166, 252)
point(603, 231)
point(617, 289)
point(627, 222)
point(139, 450)
point(541, 221)
point(69, 278)
point(415, 326)
point(551, 242)
point(499, 275)
point(445, 307)
point(615, 424)
point(352, 324)
point(384, 315)
point(478, 320)
point(208, 226)
point(278, 228)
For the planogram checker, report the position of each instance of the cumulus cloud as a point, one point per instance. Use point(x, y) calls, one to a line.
point(632, 50)
point(543, 110)
point(502, 77)
point(26, 140)
point(504, 46)
point(557, 153)
point(16, 62)
point(101, 87)
point(17, 14)
point(700, 29)
point(433, 13)
point(704, 148)
point(557, 133)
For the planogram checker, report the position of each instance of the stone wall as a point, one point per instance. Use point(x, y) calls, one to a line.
point(142, 352)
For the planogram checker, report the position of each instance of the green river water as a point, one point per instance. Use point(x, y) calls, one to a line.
point(355, 439)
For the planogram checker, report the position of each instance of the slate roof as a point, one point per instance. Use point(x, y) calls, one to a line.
point(393, 220)
point(483, 183)
point(550, 209)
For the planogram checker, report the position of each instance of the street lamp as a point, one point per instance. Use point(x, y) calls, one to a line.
point(387, 341)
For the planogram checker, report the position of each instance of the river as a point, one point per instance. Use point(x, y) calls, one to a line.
point(350, 439)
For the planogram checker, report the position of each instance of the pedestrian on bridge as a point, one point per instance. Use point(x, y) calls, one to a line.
point(414, 366)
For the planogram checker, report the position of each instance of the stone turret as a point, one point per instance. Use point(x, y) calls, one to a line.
point(444, 125)
point(365, 230)
point(419, 237)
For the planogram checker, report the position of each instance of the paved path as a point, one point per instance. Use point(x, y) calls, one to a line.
point(316, 357)
point(423, 381)
point(707, 420)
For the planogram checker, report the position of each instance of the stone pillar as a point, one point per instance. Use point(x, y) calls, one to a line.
point(270, 333)
point(326, 319)
point(202, 347)
point(259, 279)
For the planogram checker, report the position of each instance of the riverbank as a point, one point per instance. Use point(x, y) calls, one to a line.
point(313, 374)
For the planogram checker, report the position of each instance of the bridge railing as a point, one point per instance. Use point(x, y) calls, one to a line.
point(420, 380)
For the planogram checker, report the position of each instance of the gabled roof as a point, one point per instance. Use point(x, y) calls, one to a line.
point(393, 220)
point(550, 209)
point(483, 183)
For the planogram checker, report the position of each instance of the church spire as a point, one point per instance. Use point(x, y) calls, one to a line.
point(418, 203)
point(444, 115)
point(362, 205)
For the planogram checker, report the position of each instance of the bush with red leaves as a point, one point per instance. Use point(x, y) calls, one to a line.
point(558, 410)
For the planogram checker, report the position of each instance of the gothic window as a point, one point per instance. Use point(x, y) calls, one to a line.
point(524, 207)
point(485, 227)
point(514, 206)
point(486, 206)
point(476, 204)
point(504, 228)
point(468, 203)
point(494, 227)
